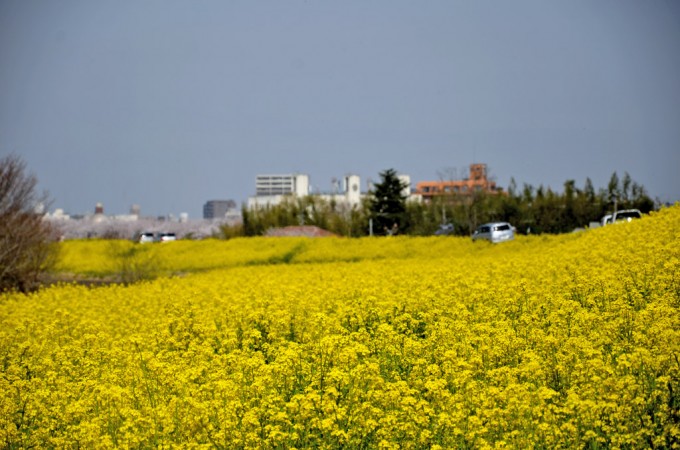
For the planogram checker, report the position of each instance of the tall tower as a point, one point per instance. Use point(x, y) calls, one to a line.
point(300, 185)
point(478, 172)
point(352, 189)
point(406, 180)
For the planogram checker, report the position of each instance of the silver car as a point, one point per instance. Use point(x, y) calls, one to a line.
point(494, 232)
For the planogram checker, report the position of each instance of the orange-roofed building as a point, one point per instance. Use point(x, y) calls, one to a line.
point(476, 182)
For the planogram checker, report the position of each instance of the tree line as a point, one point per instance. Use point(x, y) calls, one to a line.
point(27, 240)
point(386, 210)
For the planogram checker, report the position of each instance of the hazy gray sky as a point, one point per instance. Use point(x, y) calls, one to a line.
point(169, 104)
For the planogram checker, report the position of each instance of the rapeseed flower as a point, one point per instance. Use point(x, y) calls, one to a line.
point(560, 341)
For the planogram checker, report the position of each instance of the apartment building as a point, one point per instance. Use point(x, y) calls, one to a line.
point(272, 185)
point(273, 189)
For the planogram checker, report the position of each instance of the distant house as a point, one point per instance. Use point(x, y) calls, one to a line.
point(299, 231)
point(476, 182)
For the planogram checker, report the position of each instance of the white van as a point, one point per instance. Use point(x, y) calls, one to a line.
point(625, 215)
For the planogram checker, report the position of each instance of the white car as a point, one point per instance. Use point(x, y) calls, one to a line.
point(494, 232)
point(166, 237)
point(144, 238)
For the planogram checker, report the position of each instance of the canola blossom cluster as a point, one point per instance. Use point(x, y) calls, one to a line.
point(568, 341)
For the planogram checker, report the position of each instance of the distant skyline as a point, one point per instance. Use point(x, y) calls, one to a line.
point(169, 104)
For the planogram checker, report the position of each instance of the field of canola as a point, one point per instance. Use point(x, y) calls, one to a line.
point(568, 341)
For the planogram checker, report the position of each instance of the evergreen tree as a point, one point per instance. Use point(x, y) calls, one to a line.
point(613, 190)
point(626, 187)
point(512, 188)
point(589, 190)
point(388, 204)
point(569, 217)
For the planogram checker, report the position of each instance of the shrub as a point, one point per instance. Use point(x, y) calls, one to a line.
point(134, 262)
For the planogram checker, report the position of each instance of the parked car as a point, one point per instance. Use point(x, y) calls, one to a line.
point(166, 237)
point(144, 238)
point(444, 230)
point(494, 232)
point(626, 215)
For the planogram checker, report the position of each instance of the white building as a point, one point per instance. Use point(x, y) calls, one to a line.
point(274, 189)
point(297, 184)
point(350, 194)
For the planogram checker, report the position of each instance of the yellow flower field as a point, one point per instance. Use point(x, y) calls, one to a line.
point(565, 341)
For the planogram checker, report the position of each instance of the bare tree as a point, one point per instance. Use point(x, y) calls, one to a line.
point(448, 174)
point(26, 240)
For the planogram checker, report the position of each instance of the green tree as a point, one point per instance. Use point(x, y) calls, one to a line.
point(338, 218)
point(613, 191)
point(569, 216)
point(388, 204)
point(424, 217)
point(588, 206)
point(640, 199)
point(626, 187)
